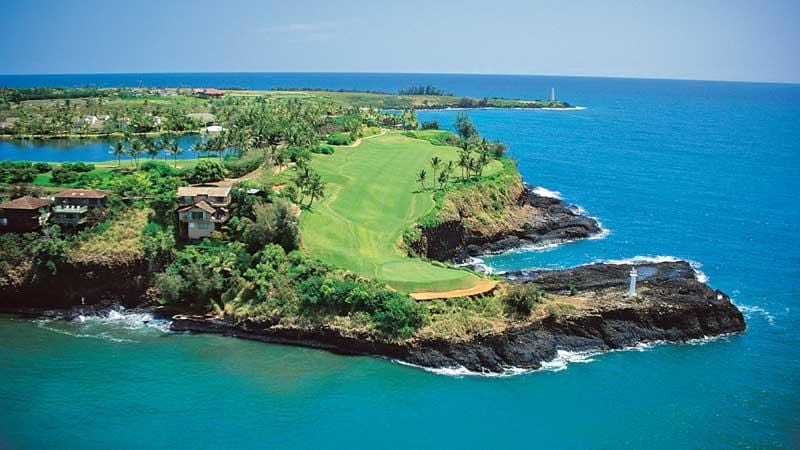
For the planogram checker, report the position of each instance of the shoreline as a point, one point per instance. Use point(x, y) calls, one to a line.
point(663, 314)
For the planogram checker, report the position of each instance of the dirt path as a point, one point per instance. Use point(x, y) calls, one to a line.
point(358, 141)
point(483, 287)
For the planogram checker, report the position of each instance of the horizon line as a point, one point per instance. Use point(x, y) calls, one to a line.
point(406, 73)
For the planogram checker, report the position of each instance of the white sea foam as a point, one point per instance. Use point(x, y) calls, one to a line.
point(544, 192)
point(478, 264)
point(571, 108)
point(121, 318)
point(105, 336)
point(749, 311)
point(461, 371)
point(698, 274)
point(563, 359)
point(114, 325)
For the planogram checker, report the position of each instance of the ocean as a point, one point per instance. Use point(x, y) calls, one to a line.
point(703, 171)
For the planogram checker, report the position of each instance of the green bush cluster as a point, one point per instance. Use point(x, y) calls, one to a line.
point(208, 170)
point(341, 138)
point(521, 298)
point(323, 149)
point(69, 173)
point(271, 285)
point(238, 167)
point(21, 171)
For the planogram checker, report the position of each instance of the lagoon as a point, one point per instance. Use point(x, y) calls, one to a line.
point(72, 150)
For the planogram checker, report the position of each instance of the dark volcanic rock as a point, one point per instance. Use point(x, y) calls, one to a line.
point(673, 306)
point(549, 220)
point(80, 284)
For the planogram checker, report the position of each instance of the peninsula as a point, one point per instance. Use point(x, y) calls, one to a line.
point(319, 219)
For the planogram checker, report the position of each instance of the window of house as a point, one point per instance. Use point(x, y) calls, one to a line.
point(3, 222)
point(197, 215)
point(191, 224)
point(204, 225)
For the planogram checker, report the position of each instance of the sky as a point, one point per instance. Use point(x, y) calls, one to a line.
point(702, 39)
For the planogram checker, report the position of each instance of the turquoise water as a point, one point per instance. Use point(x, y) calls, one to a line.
point(698, 170)
point(70, 150)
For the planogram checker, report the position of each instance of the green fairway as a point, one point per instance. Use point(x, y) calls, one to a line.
point(372, 197)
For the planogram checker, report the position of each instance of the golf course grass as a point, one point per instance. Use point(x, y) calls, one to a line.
point(371, 198)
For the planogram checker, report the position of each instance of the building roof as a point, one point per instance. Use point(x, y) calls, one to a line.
point(82, 193)
point(202, 204)
point(27, 202)
point(211, 191)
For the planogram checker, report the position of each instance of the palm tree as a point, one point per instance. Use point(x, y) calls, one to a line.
point(482, 160)
point(137, 148)
point(118, 149)
point(442, 179)
point(421, 176)
point(316, 188)
point(435, 164)
point(198, 148)
point(151, 147)
point(463, 161)
point(173, 147)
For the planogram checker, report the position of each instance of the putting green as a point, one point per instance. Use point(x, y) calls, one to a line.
point(372, 197)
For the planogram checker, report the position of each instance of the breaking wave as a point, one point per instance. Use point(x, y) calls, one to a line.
point(698, 274)
point(749, 311)
point(562, 360)
point(544, 192)
point(114, 325)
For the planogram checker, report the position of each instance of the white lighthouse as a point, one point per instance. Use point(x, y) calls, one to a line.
point(552, 94)
point(632, 285)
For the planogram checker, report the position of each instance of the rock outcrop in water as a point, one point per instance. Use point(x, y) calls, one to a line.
point(539, 220)
point(671, 305)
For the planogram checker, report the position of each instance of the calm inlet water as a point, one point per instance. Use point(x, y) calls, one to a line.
point(697, 170)
point(70, 150)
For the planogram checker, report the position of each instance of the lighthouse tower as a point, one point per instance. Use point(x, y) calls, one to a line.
point(552, 94)
point(632, 286)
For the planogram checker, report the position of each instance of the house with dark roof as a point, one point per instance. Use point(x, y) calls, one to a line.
point(71, 207)
point(24, 214)
point(202, 210)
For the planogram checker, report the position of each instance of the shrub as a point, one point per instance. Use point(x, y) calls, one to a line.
point(64, 175)
point(274, 223)
point(159, 167)
point(17, 172)
point(323, 149)
point(43, 167)
point(520, 299)
point(430, 125)
point(208, 170)
point(340, 139)
point(78, 166)
point(238, 167)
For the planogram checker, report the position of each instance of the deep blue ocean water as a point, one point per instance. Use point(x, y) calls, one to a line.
point(705, 171)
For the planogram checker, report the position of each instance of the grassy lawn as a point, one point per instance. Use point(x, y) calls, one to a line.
point(372, 197)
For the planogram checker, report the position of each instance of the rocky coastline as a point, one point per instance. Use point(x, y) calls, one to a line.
point(544, 220)
point(671, 306)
